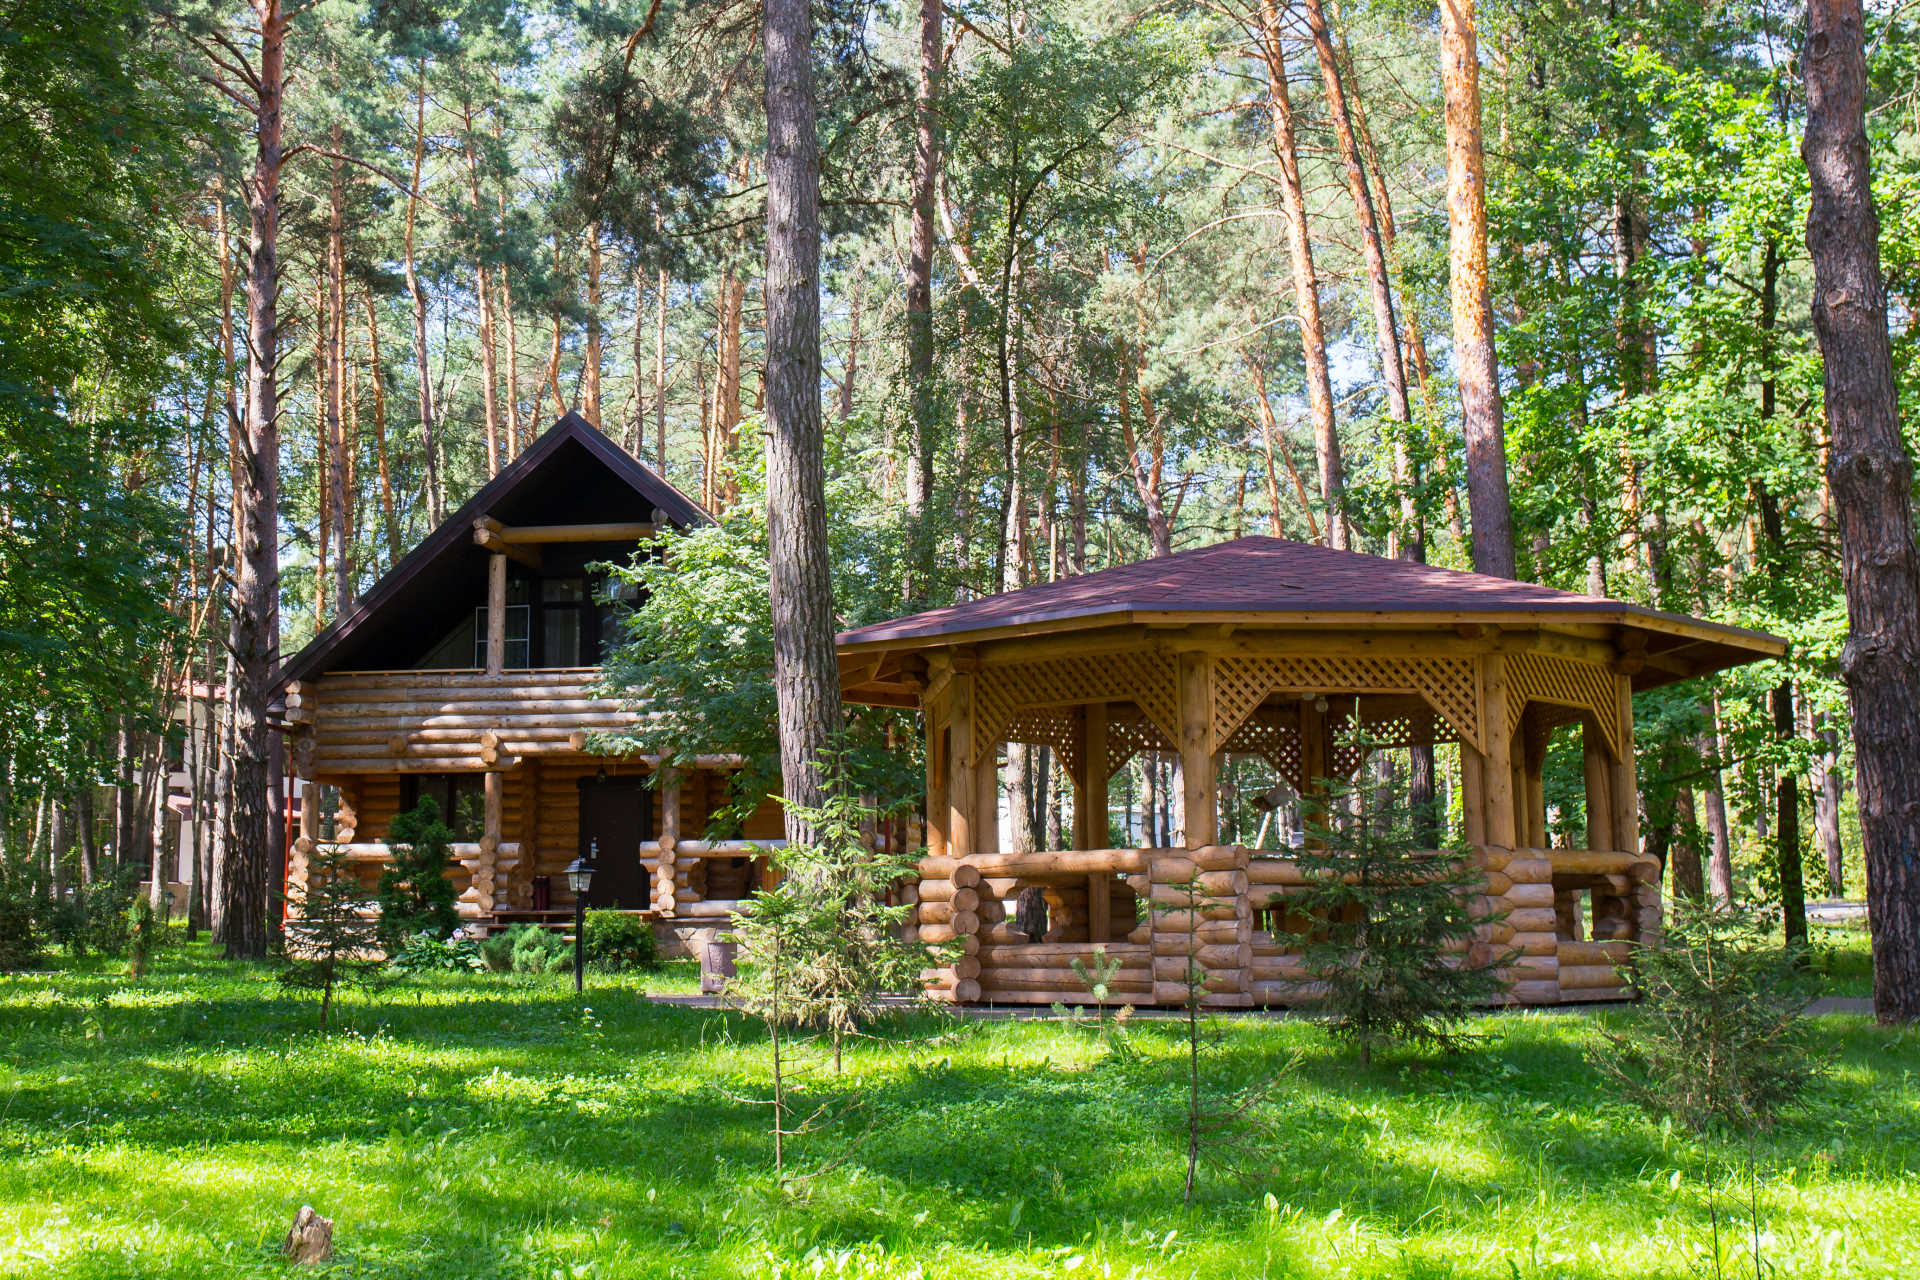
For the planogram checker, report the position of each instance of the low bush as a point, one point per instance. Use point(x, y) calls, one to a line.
point(93, 918)
point(425, 953)
point(536, 950)
point(1718, 1040)
point(620, 943)
point(20, 939)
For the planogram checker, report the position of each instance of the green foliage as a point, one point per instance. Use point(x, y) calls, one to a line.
point(533, 950)
point(414, 893)
point(94, 916)
point(617, 942)
point(333, 940)
point(145, 931)
point(1388, 924)
point(700, 651)
point(20, 937)
point(425, 953)
point(1719, 1038)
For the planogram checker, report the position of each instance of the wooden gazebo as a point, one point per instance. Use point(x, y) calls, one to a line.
point(1270, 648)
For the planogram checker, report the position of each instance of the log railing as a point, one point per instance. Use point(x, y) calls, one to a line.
point(439, 721)
point(1529, 906)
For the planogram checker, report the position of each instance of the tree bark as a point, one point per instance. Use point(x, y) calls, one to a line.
point(253, 631)
point(1872, 479)
point(660, 374)
point(423, 371)
point(336, 375)
point(926, 168)
point(590, 391)
point(1306, 286)
point(1826, 803)
point(1475, 359)
point(806, 672)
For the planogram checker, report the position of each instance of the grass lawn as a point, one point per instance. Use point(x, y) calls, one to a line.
point(489, 1127)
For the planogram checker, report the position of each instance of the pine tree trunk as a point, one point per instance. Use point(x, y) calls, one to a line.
point(1475, 359)
point(423, 371)
point(253, 631)
point(660, 374)
point(377, 373)
point(1306, 286)
point(1872, 479)
point(926, 168)
point(483, 294)
point(806, 672)
point(336, 374)
point(590, 391)
point(1826, 804)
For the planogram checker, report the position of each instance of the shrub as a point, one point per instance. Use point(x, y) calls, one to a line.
point(496, 950)
point(144, 931)
point(414, 893)
point(536, 950)
point(20, 940)
point(1718, 1040)
point(620, 943)
point(424, 953)
point(95, 918)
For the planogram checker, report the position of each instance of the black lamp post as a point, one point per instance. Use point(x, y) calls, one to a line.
point(580, 879)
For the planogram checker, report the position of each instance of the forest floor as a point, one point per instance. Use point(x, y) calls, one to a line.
point(484, 1126)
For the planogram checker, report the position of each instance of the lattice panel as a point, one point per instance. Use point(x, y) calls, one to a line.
point(1149, 680)
point(1275, 739)
point(1241, 683)
point(1389, 728)
point(1054, 727)
point(1567, 682)
point(1128, 738)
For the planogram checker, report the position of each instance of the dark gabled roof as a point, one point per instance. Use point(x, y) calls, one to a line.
point(570, 460)
point(1274, 581)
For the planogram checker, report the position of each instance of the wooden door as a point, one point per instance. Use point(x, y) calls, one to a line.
point(616, 814)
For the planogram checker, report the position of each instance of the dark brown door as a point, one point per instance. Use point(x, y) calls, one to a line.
point(616, 814)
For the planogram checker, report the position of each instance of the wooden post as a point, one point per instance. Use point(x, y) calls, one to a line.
point(1314, 761)
point(986, 801)
point(1473, 793)
point(1626, 787)
point(938, 771)
point(1497, 776)
point(961, 790)
point(486, 867)
point(1090, 825)
point(496, 614)
point(666, 872)
point(1099, 907)
point(1199, 787)
point(1599, 769)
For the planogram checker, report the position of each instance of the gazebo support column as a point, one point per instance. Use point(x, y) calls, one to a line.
point(943, 878)
point(1090, 814)
point(1496, 781)
point(1599, 771)
point(1199, 788)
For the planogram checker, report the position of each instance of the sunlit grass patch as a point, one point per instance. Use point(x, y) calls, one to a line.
point(490, 1126)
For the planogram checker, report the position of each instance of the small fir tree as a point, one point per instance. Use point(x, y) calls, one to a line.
point(823, 945)
point(1719, 1040)
point(1383, 927)
point(1231, 1131)
point(414, 893)
point(333, 940)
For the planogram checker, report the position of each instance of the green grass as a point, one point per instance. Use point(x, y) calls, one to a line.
point(489, 1127)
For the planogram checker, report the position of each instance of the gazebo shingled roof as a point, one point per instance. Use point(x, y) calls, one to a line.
point(1272, 581)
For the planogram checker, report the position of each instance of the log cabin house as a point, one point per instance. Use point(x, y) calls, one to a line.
point(1270, 648)
point(468, 673)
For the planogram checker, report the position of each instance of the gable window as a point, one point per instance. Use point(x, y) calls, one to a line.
point(519, 651)
point(461, 797)
point(563, 612)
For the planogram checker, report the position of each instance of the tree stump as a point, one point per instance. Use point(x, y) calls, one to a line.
point(310, 1240)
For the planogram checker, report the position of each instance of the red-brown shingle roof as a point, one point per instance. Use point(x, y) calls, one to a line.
point(1270, 576)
